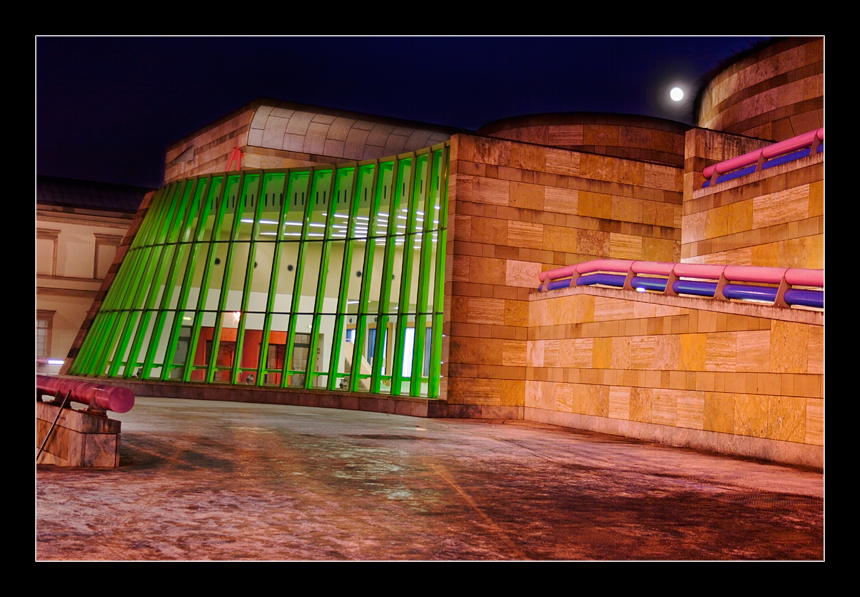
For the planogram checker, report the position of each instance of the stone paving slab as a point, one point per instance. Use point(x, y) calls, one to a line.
point(202, 480)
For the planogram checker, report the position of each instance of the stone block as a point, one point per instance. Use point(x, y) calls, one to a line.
point(751, 415)
point(690, 407)
point(524, 234)
point(619, 402)
point(526, 196)
point(78, 439)
point(641, 404)
point(559, 200)
point(595, 205)
point(787, 418)
point(789, 343)
point(520, 273)
point(781, 207)
point(753, 351)
point(719, 412)
point(625, 246)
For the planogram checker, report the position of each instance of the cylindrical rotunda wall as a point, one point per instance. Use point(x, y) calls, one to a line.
point(774, 94)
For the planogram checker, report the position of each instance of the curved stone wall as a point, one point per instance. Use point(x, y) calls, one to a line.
point(774, 94)
point(616, 135)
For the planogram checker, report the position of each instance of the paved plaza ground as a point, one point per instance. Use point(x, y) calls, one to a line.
point(205, 480)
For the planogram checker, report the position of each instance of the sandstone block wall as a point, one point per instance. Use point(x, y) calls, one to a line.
point(735, 378)
point(514, 210)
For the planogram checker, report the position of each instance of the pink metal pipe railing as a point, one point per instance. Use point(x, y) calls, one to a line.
point(98, 397)
point(811, 139)
point(723, 282)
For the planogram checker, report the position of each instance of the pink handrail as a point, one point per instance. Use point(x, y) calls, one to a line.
point(810, 139)
point(782, 278)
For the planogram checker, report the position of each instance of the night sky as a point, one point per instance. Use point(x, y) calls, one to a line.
point(108, 107)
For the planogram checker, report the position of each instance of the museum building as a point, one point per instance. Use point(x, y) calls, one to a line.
point(303, 255)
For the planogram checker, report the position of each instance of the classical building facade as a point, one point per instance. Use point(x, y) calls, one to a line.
point(79, 226)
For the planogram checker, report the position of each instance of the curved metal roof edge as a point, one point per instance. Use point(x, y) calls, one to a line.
point(259, 102)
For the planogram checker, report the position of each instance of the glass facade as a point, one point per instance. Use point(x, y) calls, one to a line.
point(329, 277)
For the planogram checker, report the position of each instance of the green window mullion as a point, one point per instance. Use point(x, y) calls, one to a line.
point(194, 250)
point(367, 266)
point(130, 326)
point(297, 281)
point(131, 302)
point(344, 279)
point(405, 282)
point(253, 186)
point(439, 290)
point(228, 268)
point(109, 351)
point(425, 266)
point(83, 361)
point(216, 192)
point(188, 211)
point(157, 231)
point(97, 345)
point(123, 281)
point(385, 289)
point(143, 301)
point(201, 184)
point(183, 209)
point(154, 282)
point(273, 279)
point(156, 206)
point(169, 285)
point(325, 251)
point(164, 272)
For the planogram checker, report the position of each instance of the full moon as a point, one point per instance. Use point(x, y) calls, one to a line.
point(676, 94)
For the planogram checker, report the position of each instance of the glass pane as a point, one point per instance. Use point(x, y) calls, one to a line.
point(312, 258)
point(272, 197)
point(251, 346)
point(287, 261)
point(194, 210)
point(183, 340)
point(226, 347)
point(300, 351)
point(258, 292)
point(160, 335)
point(332, 279)
point(324, 344)
point(229, 203)
point(211, 209)
point(218, 257)
point(238, 268)
point(355, 276)
point(247, 208)
point(277, 349)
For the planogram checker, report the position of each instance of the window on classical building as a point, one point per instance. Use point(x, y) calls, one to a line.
point(44, 325)
point(46, 251)
point(106, 247)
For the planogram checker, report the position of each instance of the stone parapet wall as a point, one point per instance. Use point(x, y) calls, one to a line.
point(774, 94)
point(772, 218)
point(724, 376)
